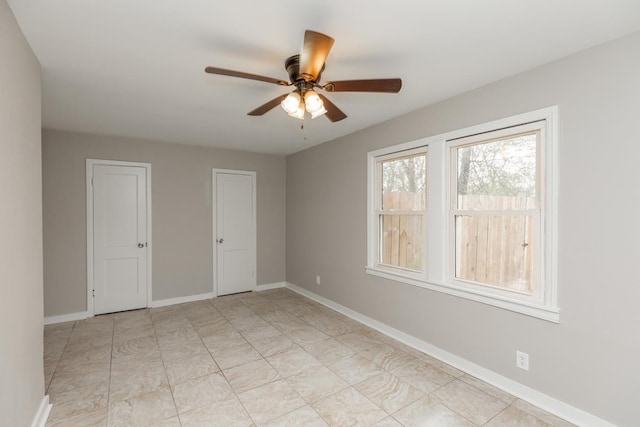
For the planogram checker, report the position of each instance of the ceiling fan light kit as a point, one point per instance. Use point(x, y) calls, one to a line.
point(291, 103)
point(304, 72)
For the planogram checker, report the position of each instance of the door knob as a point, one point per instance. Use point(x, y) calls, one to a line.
point(220, 240)
point(141, 245)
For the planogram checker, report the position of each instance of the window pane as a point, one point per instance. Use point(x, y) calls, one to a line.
point(404, 184)
point(401, 242)
point(495, 250)
point(498, 174)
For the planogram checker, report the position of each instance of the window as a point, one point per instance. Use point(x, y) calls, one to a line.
point(401, 201)
point(474, 218)
point(495, 209)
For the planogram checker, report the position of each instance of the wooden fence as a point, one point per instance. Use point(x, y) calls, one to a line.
point(489, 249)
point(402, 234)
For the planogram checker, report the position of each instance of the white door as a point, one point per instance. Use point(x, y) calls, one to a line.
point(235, 233)
point(120, 247)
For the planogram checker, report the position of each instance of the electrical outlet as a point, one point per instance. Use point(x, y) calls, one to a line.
point(522, 360)
point(317, 280)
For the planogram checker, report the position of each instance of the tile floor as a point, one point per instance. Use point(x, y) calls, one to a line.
point(272, 358)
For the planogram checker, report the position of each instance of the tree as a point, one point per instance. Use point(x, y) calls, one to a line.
point(505, 167)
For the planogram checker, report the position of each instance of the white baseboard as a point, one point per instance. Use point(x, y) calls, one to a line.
point(43, 413)
point(269, 286)
point(548, 403)
point(61, 318)
point(180, 300)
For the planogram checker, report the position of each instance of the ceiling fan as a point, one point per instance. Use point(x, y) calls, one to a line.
point(304, 71)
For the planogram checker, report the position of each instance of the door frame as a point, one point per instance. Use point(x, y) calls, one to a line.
point(90, 268)
point(214, 211)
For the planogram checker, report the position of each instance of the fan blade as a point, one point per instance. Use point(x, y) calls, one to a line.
point(333, 113)
point(374, 85)
point(232, 73)
point(267, 106)
point(315, 50)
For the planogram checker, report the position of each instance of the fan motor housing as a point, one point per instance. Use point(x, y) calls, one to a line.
point(292, 65)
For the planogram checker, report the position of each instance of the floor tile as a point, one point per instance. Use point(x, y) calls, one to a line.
point(355, 369)
point(200, 392)
point(388, 422)
point(307, 335)
point(513, 417)
point(327, 324)
point(277, 316)
point(247, 321)
point(430, 413)
point(422, 376)
point(488, 388)
point(143, 410)
point(389, 392)
point(83, 344)
point(285, 360)
point(286, 323)
point(250, 375)
point(89, 360)
point(292, 362)
point(143, 346)
point(444, 367)
point(473, 404)
point(182, 351)
point(316, 383)
point(274, 345)
point(329, 351)
point(168, 422)
point(225, 413)
point(189, 367)
point(541, 414)
point(68, 380)
point(170, 322)
point(305, 416)
point(254, 333)
point(298, 309)
point(386, 356)
point(122, 335)
point(129, 383)
point(93, 417)
point(348, 408)
point(218, 328)
point(223, 340)
point(82, 406)
point(271, 401)
point(204, 318)
point(181, 335)
point(235, 355)
point(357, 342)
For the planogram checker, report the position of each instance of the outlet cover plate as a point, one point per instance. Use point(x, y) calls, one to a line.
point(522, 360)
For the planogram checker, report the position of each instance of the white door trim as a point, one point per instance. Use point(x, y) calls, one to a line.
point(214, 188)
point(90, 267)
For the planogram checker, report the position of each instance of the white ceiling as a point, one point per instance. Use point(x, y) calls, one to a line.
point(136, 67)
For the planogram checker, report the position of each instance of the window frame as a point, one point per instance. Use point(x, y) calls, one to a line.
point(536, 214)
point(379, 211)
point(438, 245)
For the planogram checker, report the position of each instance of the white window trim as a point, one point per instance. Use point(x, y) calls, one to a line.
point(438, 276)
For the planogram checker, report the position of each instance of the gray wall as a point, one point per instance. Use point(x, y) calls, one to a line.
point(181, 209)
point(589, 360)
point(21, 369)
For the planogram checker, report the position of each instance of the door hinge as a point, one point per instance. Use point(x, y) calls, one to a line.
point(92, 181)
point(93, 293)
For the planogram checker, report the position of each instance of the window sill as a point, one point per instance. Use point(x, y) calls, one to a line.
point(550, 314)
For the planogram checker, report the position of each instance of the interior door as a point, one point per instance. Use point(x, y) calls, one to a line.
point(119, 238)
point(235, 232)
